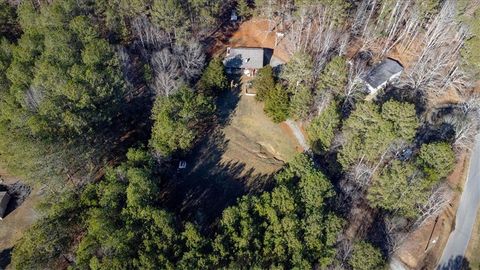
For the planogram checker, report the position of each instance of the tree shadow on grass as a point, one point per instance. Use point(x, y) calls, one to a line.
point(211, 183)
point(455, 263)
point(227, 104)
point(18, 192)
point(5, 258)
point(404, 94)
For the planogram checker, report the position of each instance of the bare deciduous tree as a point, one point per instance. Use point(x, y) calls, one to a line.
point(396, 232)
point(148, 34)
point(191, 59)
point(437, 201)
point(33, 98)
point(166, 71)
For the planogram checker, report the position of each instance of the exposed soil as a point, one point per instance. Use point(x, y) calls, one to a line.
point(260, 33)
point(424, 247)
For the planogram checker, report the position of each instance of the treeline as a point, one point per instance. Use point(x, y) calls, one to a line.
point(123, 225)
point(76, 78)
point(78, 82)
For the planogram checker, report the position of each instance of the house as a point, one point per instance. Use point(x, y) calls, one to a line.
point(249, 60)
point(4, 199)
point(381, 74)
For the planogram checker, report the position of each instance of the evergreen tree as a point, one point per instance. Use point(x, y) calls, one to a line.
point(8, 21)
point(214, 78)
point(437, 160)
point(400, 188)
point(403, 118)
point(244, 10)
point(288, 227)
point(321, 129)
point(170, 16)
point(264, 83)
point(177, 120)
point(369, 132)
point(366, 257)
point(334, 76)
point(301, 102)
point(277, 104)
point(298, 70)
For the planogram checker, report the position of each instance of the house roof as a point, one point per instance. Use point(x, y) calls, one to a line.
point(382, 72)
point(243, 57)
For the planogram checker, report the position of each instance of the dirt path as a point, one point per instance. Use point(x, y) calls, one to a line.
point(298, 134)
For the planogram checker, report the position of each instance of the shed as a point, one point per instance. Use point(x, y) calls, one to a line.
point(383, 73)
point(4, 199)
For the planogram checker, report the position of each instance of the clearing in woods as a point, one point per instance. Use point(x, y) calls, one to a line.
point(239, 156)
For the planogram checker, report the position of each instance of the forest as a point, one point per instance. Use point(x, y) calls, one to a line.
point(99, 100)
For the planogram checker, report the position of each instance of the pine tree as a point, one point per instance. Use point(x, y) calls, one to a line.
point(244, 10)
point(321, 129)
point(264, 83)
point(214, 78)
point(366, 257)
point(334, 76)
point(277, 104)
point(301, 102)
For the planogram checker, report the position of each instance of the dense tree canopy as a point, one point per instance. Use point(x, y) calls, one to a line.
point(214, 78)
point(369, 132)
point(83, 81)
point(321, 130)
point(301, 102)
point(366, 257)
point(334, 76)
point(176, 120)
point(298, 69)
point(399, 188)
point(63, 77)
point(123, 226)
point(436, 160)
point(277, 104)
point(264, 83)
point(288, 227)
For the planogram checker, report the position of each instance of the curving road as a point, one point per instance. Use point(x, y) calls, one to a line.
point(453, 254)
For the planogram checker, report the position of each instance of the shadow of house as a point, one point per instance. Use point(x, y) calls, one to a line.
point(5, 258)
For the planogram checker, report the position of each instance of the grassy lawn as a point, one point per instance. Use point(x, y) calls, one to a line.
point(237, 157)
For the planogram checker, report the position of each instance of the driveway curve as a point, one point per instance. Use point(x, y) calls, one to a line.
point(454, 252)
